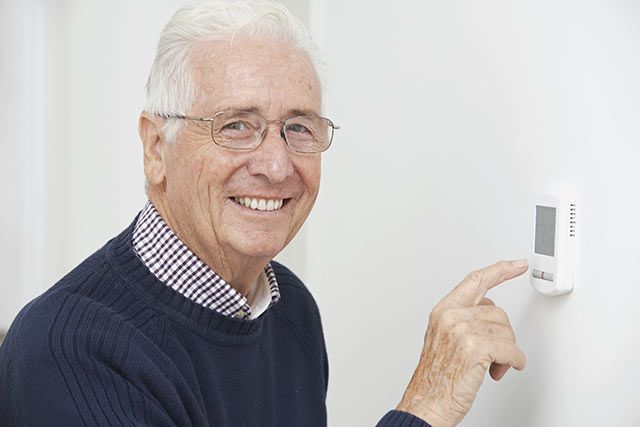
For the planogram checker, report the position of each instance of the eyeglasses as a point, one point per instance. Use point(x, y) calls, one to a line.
point(244, 130)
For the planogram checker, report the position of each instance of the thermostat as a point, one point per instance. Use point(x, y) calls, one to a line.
point(554, 245)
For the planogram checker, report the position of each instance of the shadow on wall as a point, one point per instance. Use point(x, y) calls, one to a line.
point(525, 401)
point(2, 336)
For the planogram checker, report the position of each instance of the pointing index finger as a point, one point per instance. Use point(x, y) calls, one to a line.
point(472, 289)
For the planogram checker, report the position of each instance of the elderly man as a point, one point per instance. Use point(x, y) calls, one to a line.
point(183, 319)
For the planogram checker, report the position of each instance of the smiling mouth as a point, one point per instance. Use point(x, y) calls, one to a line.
point(258, 204)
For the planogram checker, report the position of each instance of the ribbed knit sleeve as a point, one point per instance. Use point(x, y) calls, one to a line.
point(77, 362)
point(401, 419)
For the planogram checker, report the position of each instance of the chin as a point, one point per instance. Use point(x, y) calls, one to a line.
point(260, 245)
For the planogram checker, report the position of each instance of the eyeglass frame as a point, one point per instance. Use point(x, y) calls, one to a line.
point(283, 135)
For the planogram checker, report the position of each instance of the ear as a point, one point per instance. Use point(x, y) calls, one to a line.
point(150, 130)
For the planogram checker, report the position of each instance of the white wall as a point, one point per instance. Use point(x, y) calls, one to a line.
point(454, 115)
point(25, 163)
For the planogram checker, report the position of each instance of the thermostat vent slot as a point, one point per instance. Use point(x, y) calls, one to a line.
point(572, 220)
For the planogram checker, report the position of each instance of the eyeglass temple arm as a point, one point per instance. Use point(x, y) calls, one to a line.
point(182, 116)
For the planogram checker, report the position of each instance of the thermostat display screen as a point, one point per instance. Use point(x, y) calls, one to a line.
point(545, 230)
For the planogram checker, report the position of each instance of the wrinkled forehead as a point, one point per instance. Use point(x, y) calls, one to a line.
point(268, 75)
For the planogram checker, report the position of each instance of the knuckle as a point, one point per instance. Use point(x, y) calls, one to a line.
point(459, 330)
point(504, 265)
point(501, 314)
point(490, 330)
point(501, 317)
point(476, 277)
point(503, 332)
point(448, 319)
point(469, 344)
point(435, 314)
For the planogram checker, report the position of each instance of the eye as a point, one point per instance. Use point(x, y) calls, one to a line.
point(298, 128)
point(236, 129)
point(237, 126)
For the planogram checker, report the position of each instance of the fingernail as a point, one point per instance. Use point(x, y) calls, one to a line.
point(520, 263)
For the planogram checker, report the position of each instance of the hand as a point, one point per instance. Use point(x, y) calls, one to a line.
point(467, 334)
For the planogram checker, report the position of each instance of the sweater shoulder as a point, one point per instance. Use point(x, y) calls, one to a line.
point(92, 285)
point(42, 311)
point(82, 332)
point(86, 309)
point(299, 312)
point(296, 298)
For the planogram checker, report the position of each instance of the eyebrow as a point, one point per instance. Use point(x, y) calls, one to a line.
point(290, 113)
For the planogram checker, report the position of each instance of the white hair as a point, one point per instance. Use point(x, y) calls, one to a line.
point(170, 88)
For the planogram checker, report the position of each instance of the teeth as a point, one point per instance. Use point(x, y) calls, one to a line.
point(260, 204)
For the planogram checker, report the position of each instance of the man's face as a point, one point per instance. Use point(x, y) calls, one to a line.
point(203, 179)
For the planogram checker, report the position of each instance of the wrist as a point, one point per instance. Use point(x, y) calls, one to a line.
point(418, 408)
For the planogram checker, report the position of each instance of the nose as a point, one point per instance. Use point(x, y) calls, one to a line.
point(271, 158)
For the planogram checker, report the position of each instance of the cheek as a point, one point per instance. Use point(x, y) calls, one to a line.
point(187, 175)
point(310, 173)
point(185, 184)
point(195, 171)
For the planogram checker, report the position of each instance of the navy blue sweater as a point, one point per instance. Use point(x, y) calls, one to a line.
point(111, 345)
